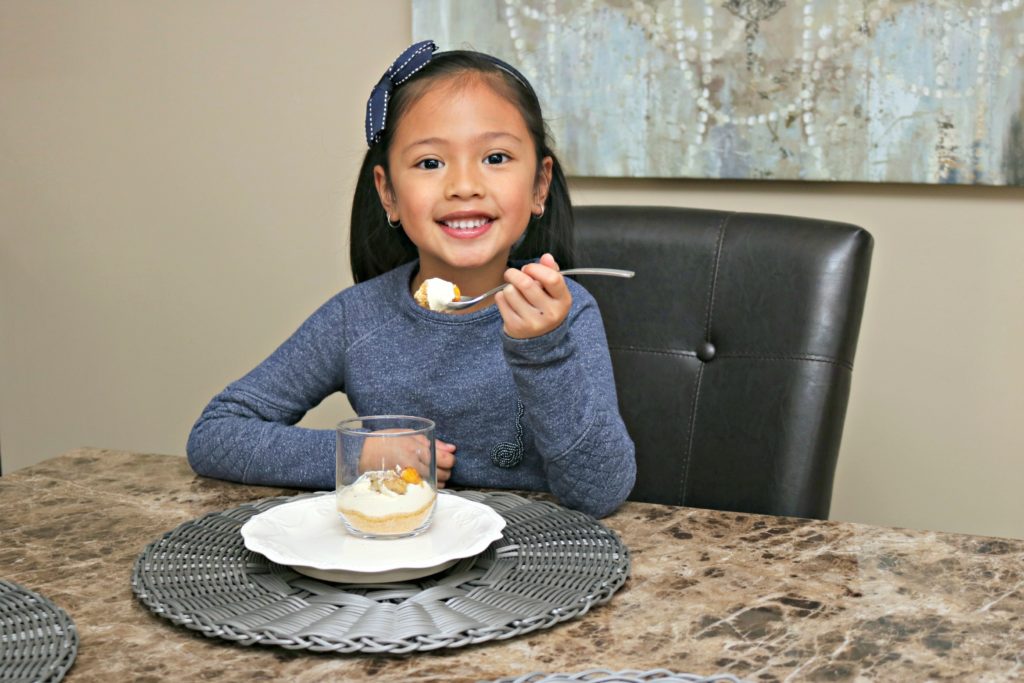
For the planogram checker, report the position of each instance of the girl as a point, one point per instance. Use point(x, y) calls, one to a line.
point(459, 181)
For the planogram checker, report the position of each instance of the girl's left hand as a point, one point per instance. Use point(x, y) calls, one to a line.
point(537, 302)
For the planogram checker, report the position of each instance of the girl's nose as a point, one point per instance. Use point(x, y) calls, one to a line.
point(464, 181)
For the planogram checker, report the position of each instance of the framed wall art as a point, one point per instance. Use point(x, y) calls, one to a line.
point(907, 91)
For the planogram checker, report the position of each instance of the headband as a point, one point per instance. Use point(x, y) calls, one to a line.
point(414, 58)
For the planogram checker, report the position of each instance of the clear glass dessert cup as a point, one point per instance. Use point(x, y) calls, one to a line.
point(386, 475)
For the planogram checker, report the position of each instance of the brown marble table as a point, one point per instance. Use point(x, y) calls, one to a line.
point(763, 598)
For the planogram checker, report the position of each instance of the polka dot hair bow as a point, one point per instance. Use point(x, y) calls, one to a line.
point(414, 58)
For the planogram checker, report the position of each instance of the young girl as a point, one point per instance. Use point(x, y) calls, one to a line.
point(459, 181)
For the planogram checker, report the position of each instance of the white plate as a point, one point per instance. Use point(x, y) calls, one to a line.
point(308, 536)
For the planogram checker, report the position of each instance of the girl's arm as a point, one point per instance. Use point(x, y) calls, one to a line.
point(247, 432)
point(565, 382)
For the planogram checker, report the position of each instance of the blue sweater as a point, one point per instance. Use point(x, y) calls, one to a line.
point(550, 400)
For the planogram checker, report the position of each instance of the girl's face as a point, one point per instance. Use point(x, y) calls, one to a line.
point(463, 180)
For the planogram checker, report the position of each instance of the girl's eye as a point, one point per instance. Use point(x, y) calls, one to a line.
point(429, 164)
point(496, 158)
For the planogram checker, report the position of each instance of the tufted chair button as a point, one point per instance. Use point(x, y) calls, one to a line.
point(706, 351)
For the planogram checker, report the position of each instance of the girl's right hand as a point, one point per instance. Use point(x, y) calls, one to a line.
point(537, 301)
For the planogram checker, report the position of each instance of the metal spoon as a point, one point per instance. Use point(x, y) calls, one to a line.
point(466, 303)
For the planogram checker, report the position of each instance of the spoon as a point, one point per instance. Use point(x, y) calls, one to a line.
point(466, 303)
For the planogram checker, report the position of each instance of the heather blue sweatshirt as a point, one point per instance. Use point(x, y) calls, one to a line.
point(548, 402)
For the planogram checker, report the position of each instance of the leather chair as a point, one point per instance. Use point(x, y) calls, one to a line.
point(732, 349)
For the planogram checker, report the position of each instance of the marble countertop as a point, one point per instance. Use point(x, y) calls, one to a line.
point(763, 598)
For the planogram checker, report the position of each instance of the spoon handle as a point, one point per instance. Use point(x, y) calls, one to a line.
point(614, 272)
point(466, 303)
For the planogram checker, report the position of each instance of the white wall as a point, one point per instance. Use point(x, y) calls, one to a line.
point(175, 181)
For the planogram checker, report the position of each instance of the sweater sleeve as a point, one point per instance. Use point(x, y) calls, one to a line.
point(565, 381)
point(247, 431)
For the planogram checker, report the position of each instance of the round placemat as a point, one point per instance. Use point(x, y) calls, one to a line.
point(38, 640)
point(628, 676)
point(550, 565)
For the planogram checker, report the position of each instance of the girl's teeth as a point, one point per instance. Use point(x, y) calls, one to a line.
point(466, 225)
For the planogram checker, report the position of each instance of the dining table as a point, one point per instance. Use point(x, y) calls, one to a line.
point(760, 597)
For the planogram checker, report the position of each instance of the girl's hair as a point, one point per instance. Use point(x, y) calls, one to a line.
point(376, 248)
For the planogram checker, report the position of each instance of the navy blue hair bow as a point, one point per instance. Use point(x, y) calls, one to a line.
point(409, 62)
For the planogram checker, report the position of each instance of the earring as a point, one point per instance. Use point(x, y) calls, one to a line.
point(394, 226)
point(540, 215)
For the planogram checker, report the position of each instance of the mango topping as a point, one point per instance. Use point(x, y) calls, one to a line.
point(410, 475)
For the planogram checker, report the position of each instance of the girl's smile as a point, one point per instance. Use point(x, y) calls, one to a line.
point(466, 225)
point(464, 180)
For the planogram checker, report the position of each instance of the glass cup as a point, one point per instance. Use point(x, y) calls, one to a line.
point(386, 475)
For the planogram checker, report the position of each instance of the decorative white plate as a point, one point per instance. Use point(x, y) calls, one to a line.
point(308, 536)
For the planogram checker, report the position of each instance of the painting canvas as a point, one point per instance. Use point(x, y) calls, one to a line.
point(910, 91)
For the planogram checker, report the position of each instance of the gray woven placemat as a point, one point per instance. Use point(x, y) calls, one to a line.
point(38, 640)
point(628, 676)
point(550, 565)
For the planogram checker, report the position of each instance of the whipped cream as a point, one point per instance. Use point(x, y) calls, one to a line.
point(436, 294)
point(364, 497)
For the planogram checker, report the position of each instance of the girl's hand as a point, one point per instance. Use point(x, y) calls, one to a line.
point(445, 458)
point(537, 301)
point(408, 452)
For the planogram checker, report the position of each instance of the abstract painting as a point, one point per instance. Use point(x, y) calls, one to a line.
point(902, 91)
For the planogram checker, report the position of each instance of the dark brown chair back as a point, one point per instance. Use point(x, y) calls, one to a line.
point(732, 348)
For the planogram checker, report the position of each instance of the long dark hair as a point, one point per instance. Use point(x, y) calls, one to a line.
point(376, 248)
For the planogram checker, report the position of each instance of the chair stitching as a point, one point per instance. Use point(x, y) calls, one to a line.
point(774, 356)
point(755, 355)
point(689, 441)
point(714, 275)
point(661, 352)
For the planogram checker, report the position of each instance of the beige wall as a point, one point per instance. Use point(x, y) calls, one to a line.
point(174, 185)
